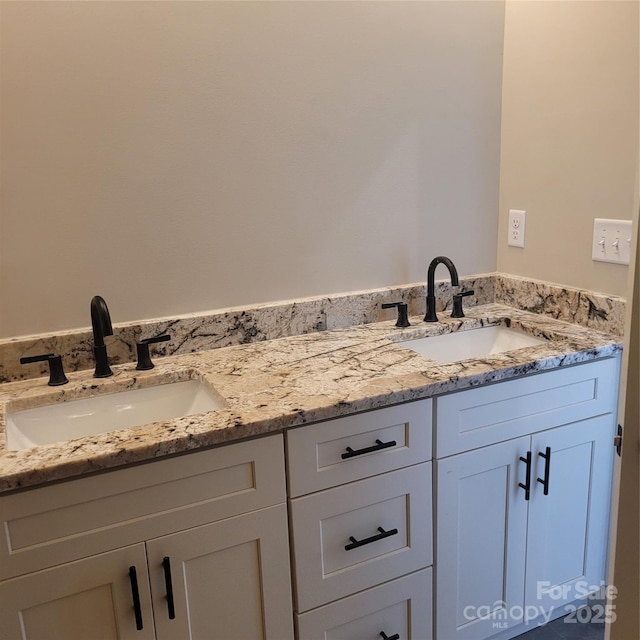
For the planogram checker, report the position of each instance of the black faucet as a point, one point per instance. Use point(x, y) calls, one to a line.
point(101, 324)
point(431, 295)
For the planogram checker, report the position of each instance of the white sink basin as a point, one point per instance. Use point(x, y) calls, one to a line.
point(472, 343)
point(100, 414)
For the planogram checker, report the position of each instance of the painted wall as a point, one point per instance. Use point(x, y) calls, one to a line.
point(569, 135)
point(176, 157)
point(624, 559)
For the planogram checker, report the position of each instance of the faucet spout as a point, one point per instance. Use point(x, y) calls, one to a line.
point(101, 325)
point(431, 316)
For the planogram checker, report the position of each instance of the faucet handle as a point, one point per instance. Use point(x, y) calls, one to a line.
point(403, 319)
point(142, 347)
point(56, 371)
point(456, 311)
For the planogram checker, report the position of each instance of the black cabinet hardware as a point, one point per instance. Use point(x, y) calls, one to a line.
point(527, 483)
point(135, 594)
point(547, 468)
point(56, 371)
point(384, 636)
point(378, 446)
point(617, 440)
point(403, 314)
point(166, 565)
point(144, 360)
point(379, 536)
point(456, 311)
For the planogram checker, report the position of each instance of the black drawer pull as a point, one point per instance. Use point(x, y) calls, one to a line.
point(135, 594)
point(379, 536)
point(384, 636)
point(547, 469)
point(378, 446)
point(527, 484)
point(168, 583)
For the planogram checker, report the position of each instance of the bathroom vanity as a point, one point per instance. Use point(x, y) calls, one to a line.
point(139, 552)
point(348, 487)
point(523, 477)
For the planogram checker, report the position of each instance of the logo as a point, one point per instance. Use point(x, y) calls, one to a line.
point(594, 605)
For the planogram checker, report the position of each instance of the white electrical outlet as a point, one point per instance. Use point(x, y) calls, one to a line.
point(611, 241)
point(515, 237)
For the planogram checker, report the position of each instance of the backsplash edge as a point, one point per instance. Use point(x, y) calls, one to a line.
point(227, 327)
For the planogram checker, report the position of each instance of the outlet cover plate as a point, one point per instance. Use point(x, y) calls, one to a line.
point(611, 241)
point(517, 219)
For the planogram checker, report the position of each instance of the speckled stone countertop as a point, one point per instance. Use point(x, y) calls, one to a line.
point(275, 384)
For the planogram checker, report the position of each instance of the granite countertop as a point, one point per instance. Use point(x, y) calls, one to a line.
point(275, 384)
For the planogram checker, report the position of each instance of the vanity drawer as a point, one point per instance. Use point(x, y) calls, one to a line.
point(319, 455)
point(46, 526)
point(356, 536)
point(477, 417)
point(400, 607)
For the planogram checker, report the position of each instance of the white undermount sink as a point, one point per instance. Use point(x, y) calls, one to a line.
point(472, 343)
point(101, 414)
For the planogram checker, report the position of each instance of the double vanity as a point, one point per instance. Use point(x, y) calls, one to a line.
point(442, 480)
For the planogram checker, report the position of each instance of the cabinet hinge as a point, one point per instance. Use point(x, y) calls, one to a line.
point(617, 440)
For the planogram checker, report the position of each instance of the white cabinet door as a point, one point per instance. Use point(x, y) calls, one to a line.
point(481, 534)
point(501, 560)
point(567, 536)
point(89, 598)
point(230, 579)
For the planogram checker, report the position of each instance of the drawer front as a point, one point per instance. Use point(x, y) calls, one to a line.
point(51, 525)
point(477, 417)
point(402, 607)
point(338, 451)
point(354, 537)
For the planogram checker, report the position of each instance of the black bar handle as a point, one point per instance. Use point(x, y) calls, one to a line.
point(166, 565)
point(527, 484)
point(135, 594)
point(403, 312)
point(457, 311)
point(547, 469)
point(384, 636)
point(56, 370)
point(142, 348)
point(378, 446)
point(379, 536)
point(163, 338)
point(41, 358)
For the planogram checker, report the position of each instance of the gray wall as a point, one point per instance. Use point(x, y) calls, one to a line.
point(176, 157)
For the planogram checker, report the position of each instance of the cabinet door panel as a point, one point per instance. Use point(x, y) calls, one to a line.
point(315, 452)
point(328, 567)
point(567, 541)
point(487, 414)
point(60, 523)
point(230, 579)
point(88, 598)
point(401, 607)
point(481, 533)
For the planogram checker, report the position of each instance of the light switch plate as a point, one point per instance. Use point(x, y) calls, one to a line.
point(611, 241)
